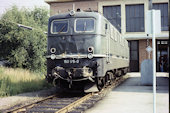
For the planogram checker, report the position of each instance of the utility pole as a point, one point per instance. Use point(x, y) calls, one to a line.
point(153, 22)
point(153, 56)
point(154, 61)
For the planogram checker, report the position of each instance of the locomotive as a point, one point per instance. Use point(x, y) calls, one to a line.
point(84, 51)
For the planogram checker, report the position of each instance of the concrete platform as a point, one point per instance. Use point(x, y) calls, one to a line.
point(131, 97)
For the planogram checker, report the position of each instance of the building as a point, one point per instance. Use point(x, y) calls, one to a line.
point(128, 16)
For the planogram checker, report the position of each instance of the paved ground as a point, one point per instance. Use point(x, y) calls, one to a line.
point(131, 97)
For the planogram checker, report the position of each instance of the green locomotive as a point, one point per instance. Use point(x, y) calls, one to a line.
point(85, 51)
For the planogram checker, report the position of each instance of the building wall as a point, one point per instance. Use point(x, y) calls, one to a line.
point(143, 54)
point(123, 3)
point(141, 36)
point(59, 6)
point(56, 8)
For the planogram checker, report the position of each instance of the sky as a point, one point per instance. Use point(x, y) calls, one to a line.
point(30, 4)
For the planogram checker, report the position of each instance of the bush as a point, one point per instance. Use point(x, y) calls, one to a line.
point(24, 48)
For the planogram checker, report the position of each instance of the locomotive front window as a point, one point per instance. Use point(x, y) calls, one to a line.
point(84, 25)
point(59, 26)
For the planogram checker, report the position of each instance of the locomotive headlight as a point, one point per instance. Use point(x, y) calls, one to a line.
point(90, 49)
point(52, 56)
point(90, 55)
point(53, 50)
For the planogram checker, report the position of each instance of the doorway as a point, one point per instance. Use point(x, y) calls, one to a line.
point(134, 55)
point(162, 55)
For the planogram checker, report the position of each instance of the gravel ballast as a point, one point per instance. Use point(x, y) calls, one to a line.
point(24, 98)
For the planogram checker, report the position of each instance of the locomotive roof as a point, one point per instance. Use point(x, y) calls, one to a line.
point(77, 14)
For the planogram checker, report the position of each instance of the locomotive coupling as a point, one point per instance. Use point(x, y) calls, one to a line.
point(87, 72)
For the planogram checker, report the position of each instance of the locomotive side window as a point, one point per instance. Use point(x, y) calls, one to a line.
point(59, 26)
point(84, 25)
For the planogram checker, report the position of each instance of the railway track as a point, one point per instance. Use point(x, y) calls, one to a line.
point(67, 103)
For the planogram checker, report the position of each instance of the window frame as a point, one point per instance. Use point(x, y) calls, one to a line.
point(130, 30)
point(162, 15)
point(117, 17)
point(75, 21)
point(51, 29)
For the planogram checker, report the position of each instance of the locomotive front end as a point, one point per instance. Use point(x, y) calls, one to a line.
point(71, 48)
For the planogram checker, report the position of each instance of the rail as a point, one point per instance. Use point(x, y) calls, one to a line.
point(57, 104)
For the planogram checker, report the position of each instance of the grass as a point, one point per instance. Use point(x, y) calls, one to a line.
point(15, 81)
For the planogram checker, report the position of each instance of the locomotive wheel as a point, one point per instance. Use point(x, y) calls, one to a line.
point(112, 77)
point(108, 78)
point(100, 82)
point(122, 72)
point(118, 73)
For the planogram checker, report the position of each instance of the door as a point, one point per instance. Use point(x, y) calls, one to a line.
point(162, 55)
point(134, 55)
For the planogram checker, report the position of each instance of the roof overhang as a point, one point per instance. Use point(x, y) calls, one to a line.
point(144, 36)
point(51, 1)
point(60, 1)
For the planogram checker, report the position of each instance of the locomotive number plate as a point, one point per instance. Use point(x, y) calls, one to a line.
point(71, 61)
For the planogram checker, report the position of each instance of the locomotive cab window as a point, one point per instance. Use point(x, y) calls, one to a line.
point(84, 25)
point(59, 26)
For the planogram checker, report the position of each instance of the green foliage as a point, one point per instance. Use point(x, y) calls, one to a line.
point(24, 48)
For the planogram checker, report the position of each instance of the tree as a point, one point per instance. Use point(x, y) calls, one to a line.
point(24, 48)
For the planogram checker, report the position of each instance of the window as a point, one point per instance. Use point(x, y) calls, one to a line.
point(59, 26)
point(113, 14)
point(135, 18)
point(84, 25)
point(164, 15)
